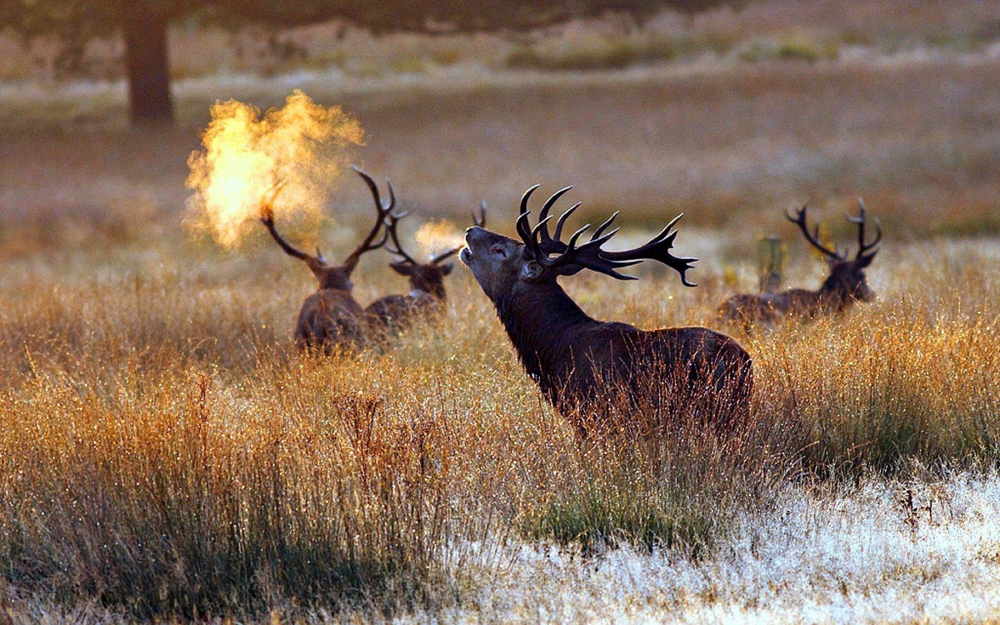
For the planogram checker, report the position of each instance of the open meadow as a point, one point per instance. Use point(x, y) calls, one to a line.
point(165, 453)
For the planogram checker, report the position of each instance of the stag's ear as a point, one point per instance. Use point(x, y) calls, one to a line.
point(866, 260)
point(531, 271)
point(402, 268)
point(446, 268)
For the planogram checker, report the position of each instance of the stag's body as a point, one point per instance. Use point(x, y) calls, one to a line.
point(331, 318)
point(769, 308)
point(845, 286)
point(427, 297)
point(575, 359)
point(586, 368)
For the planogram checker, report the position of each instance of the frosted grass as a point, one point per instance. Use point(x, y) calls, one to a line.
point(860, 557)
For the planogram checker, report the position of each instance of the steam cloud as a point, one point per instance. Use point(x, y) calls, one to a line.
point(438, 236)
point(302, 145)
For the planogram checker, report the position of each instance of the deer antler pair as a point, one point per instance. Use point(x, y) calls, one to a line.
point(383, 210)
point(397, 249)
point(864, 249)
point(572, 258)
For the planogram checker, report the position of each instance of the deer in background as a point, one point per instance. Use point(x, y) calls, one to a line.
point(330, 317)
point(585, 367)
point(393, 313)
point(845, 285)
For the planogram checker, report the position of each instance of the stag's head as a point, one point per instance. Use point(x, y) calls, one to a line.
point(427, 277)
point(503, 265)
point(334, 276)
point(847, 275)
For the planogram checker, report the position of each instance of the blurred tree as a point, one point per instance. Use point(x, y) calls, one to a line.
point(143, 24)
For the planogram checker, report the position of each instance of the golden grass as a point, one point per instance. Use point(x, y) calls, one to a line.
point(164, 451)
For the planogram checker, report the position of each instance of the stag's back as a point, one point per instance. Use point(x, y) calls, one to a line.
point(394, 313)
point(769, 308)
point(673, 374)
point(328, 318)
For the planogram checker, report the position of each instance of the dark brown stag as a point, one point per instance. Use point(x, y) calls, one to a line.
point(845, 285)
point(393, 313)
point(602, 374)
point(330, 317)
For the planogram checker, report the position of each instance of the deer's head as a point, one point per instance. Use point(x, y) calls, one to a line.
point(847, 281)
point(426, 277)
point(503, 265)
point(334, 276)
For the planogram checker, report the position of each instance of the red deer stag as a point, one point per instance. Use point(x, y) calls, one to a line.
point(845, 285)
point(331, 317)
point(393, 313)
point(594, 371)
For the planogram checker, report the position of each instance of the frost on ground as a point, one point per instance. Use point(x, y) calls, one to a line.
point(884, 552)
point(887, 552)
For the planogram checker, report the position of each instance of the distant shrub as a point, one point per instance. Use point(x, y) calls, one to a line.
point(615, 55)
point(791, 50)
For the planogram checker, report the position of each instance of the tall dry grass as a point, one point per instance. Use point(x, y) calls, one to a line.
point(163, 450)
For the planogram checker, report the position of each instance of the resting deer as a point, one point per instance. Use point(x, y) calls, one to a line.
point(585, 367)
point(845, 285)
point(393, 313)
point(331, 317)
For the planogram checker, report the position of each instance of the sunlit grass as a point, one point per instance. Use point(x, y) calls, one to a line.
point(164, 450)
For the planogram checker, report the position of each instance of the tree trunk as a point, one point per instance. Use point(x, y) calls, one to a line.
point(148, 67)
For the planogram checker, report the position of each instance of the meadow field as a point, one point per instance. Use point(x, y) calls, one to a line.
point(165, 454)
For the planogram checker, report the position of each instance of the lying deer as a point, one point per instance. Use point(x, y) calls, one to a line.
point(331, 317)
point(845, 285)
point(584, 366)
point(393, 313)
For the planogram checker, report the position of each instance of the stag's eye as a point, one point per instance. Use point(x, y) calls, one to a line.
point(498, 250)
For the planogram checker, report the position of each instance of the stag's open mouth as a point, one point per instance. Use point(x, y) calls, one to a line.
point(465, 255)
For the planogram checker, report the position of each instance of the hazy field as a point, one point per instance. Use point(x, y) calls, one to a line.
point(164, 452)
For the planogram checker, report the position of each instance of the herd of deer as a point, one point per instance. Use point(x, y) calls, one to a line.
point(593, 372)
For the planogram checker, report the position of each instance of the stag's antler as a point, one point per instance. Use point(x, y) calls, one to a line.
point(478, 220)
point(813, 237)
point(267, 218)
point(396, 248)
point(383, 210)
point(863, 247)
point(572, 259)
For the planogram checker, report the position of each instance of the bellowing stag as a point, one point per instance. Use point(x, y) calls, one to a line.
point(330, 317)
point(845, 285)
point(393, 313)
point(600, 373)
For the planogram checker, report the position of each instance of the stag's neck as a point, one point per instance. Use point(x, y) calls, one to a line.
point(543, 323)
point(832, 296)
point(432, 296)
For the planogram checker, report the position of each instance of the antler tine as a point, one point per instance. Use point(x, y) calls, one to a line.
point(812, 237)
point(480, 220)
point(396, 247)
point(545, 239)
point(860, 221)
point(658, 249)
point(383, 210)
point(572, 257)
point(588, 256)
point(523, 228)
point(267, 218)
point(267, 203)
point(555, 242)
point(610, 221)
